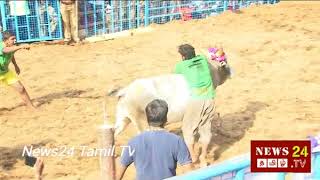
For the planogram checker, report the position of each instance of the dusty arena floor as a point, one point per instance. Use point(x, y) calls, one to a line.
point(274, 94)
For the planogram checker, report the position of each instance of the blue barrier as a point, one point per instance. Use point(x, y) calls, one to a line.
point(98, 17)
point(40, 20)
point(234, 164)
point(238, 168)
point(102, 17)
point(37, 20)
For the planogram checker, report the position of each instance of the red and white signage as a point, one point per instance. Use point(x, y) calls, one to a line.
point(281, 156)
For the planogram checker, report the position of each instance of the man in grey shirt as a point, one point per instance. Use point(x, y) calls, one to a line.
point(155, 153)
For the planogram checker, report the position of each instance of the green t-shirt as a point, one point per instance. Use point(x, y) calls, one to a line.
point(197, 73)
point(5, 60)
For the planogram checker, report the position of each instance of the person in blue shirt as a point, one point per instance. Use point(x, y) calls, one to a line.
point(156, 152)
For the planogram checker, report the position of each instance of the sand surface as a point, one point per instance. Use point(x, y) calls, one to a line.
point(275, 93)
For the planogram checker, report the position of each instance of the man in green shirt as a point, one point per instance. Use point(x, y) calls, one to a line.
point(200, 111)
point(7, 76)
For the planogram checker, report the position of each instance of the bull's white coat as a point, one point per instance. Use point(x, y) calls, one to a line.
point(171, 88)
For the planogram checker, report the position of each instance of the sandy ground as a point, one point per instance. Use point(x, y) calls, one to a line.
point(274, 95)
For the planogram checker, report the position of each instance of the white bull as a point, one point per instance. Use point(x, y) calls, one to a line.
point(172, 88)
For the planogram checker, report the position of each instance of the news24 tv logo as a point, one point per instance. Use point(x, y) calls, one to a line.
point(281, 156)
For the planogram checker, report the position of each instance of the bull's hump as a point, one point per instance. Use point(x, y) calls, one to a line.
point(164, 86)
point(162, 82)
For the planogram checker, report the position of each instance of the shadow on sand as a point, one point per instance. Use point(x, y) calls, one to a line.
point(47, 99)
point(10, 156)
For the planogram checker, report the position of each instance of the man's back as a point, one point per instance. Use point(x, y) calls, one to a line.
point(197, 73)
point(156, 154)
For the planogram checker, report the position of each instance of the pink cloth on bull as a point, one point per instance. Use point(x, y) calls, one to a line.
point(217, 54)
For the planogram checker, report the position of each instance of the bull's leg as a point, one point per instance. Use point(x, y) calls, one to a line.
point(120, 126)
point(139, 121)
point(138, 126)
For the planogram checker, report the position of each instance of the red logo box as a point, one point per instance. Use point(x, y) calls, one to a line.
point(281, 156)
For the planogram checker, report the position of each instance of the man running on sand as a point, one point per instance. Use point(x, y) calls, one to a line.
point(200, 112)
point(7, 76)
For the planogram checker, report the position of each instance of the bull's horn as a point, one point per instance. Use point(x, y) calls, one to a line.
point(113, 91)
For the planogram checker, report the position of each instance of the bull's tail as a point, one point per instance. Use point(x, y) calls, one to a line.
point(116, 92)
point(112, 92)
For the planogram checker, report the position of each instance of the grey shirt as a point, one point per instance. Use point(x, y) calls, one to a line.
point(155, 154)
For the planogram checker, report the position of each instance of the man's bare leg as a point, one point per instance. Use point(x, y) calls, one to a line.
point(194, 155)
point(23, 93)
point(205, 139)
point(204, 152)
point(190, 141)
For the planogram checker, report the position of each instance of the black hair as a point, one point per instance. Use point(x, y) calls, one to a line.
point(6, 35)
point(157, 111)
point(187, 51)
